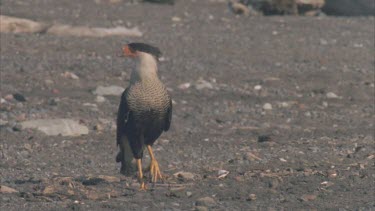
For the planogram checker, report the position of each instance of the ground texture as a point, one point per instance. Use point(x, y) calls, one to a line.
point(284, 104)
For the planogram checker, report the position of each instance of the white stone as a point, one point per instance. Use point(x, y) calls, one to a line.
point(332, 95)
point(267, 106)
point(54, 127)
point(100, 99)
point(257, 87)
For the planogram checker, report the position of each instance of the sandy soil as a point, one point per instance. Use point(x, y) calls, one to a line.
point(317, 73)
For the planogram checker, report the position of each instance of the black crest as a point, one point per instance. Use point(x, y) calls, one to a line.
point(145, 48)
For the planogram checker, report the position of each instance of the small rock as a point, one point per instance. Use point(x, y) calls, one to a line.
point(176, 19)
point(184, 86)
point(332, 95)
point(98, 127)
point(70, 75)
point(53, 127)
point(100, 99)
point(19, 97)
point(222, 173)
point(203, 84)
point(323, 42)
point(201, 208)
point(264, 138)
point(188, 193)
point(257, 87)
point(252, 197)
point(238, 8)
point(5, 189)
point(283, 160)
point(184, 175)
point(205, 201)
point(48, 81)
point(109, 90)
point(8, 97)
point(267, 106)
point(332, 173)
point(49, 190)
point(3, 122)
point(308, 197)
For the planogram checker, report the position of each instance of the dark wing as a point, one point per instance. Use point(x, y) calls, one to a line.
point(168, 119)
point(122, 117)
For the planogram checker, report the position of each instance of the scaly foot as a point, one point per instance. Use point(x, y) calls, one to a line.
point(155, 171)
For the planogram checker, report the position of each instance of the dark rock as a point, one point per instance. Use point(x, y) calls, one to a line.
point(19, 97)
point(264, 138)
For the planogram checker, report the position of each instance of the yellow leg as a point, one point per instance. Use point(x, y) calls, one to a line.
point(154, 166)
point(140, 175)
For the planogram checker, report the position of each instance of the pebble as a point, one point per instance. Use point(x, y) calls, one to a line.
point(257, 87)
point(19, 97)
point(222, 173)
point(176, 19)
point(267, 106)
point(308, 197)
point(70, 75)
point(184, 175)
point(188, 193)
point(252, 197)
point(184, 86)
point(100, 99)
point(332, 95)
point(203, 84)
point(205, 201)
point(53, 127)
point(264, 138)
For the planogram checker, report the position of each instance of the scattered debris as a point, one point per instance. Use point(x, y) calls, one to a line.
point(222, 174)
point(5, 189)
point(53, 127)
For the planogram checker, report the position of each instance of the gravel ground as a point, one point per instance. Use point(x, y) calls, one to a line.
point(270, 113)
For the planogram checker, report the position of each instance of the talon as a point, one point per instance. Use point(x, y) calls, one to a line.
point(154, 167)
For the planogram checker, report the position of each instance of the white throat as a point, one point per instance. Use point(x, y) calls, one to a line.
point(146, 68)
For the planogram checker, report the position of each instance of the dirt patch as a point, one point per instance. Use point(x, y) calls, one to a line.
point(282, 106)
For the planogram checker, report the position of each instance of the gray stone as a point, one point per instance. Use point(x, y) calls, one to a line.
point(53, 127)
point(185, 175)
point(205, 201)
point(109, 90)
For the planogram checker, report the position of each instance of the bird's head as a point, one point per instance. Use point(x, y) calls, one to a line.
point(134, 50)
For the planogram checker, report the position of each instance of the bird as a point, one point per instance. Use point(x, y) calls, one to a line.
point(144, 113)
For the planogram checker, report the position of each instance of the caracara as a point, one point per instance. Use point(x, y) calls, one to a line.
point(145, 111)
